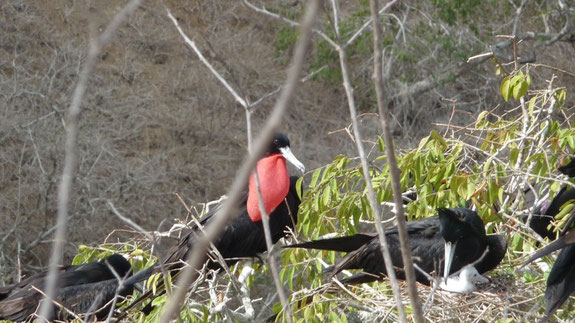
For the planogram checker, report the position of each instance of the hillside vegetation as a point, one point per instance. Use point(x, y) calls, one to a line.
point(159, 135)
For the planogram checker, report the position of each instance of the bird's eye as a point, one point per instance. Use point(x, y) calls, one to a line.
point(276, 142)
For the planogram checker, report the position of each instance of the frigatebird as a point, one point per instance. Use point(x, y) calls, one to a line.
point(546, 212)
point(460, 228)
point(81, 289)
point(542, 218)
point(244, 236)
point(561, 280)
point(569, 168)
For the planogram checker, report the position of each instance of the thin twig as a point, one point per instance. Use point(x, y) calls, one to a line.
point(271, 257)
point(220, 78)
point(393, 169)
point(224, 214)
point(70, 153)
point(365, 170)
point(286, 20)
point(366, 25)
point(150, 237)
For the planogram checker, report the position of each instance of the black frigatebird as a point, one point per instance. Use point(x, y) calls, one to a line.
point(561, 280)
point(459, 228)
point(546, 212)
point(81, 289)
point(244, 235)
point(569, 168)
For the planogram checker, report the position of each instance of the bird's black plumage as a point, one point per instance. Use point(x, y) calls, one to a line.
point(569, 168)
point(426, 243)
point(242, 238)
point(545, 213)
point(561, 280)
point(76, 285)
point(542, 218)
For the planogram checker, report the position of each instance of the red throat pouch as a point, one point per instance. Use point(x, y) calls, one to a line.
point(274, 184)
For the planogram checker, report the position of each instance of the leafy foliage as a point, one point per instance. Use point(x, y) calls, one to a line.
point(489, 169)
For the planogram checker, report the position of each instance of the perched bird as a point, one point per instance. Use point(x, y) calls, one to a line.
point(542, 218)
point(546, 212)
point(244, 235)
point(81, 289)
point(561, 280)
point(456, 234)
point(569, 168)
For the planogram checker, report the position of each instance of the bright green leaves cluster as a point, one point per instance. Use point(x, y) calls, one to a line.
point(443, 172)
point(336, 203)
point(329, 186)
point(515, 86)
point(561, 96)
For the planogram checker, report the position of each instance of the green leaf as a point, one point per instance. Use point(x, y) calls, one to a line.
point(437, 137)
point(314, 178)
point(381, 144)
point(513, 155)
point(517, 242)
point(504, 88)
point(571, 142)
point(516, 79)
point(482, 116)
point(532, 105)
point(487, 164)
point(565, 210)
point(333, 317)
point(520, 89)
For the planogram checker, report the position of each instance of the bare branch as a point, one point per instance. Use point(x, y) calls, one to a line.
point(368, 23)
point(70, 159)
point(517, 16)
point(365, 170)
point(193, 46)
point(393, 169)
point(271, 258)
point(197, 254)
point(288, 21)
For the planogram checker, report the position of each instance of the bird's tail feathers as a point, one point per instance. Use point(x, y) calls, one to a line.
point(341, 244)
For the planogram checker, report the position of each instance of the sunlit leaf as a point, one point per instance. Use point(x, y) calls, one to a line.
point(504, 88)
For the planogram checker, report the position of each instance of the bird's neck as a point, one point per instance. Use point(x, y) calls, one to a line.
point(274, 183)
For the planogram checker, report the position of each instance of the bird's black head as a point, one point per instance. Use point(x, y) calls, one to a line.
point(280, 141)
point(119, 264)
point(280, 145)
point(457, 223)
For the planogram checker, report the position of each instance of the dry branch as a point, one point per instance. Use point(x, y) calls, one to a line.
point(365, 170)
point(70, 158)
point(197, 254)
point(393, 169)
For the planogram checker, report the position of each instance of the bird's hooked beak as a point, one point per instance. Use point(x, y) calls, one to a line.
point(449, 248)
point(289, 156)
